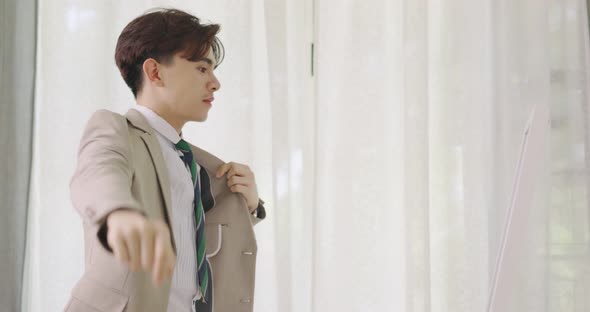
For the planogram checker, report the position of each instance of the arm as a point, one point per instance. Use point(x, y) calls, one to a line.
point(101, 183)
point(101, 193)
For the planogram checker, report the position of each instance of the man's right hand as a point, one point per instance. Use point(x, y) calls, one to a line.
point(141, 243)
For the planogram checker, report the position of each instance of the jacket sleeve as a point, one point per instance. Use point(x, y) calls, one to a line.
point(102, 180)
point(259, 213)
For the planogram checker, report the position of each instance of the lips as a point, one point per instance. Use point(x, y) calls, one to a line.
point(209, 100)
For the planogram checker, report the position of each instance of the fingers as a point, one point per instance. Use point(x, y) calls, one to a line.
point(164, 258)
point(119, 248)
point(159, 262)
point(142, 244)
point(232, 168)
point(238, 188)
point(223, 169)
point(147, 249)
point(240, 179)
point(133, 243)
point(237, 180)
point(240, 170)
point(126, 249)
point(123, 237)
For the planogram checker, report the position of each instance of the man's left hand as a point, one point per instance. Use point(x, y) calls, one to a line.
point(240, 179)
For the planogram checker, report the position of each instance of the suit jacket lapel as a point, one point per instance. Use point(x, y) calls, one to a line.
point(153, 146)
point(207, 162)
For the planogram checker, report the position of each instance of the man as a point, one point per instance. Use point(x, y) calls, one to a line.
point(168, 226)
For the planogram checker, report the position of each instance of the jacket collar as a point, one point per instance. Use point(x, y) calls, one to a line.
point(138, 121)
point(208, 162)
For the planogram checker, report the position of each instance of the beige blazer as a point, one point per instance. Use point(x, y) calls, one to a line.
point(120, 165)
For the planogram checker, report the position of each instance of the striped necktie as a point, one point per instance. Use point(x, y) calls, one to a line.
point(203, 272)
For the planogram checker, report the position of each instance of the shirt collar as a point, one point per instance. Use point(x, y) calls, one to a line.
point(158, 123)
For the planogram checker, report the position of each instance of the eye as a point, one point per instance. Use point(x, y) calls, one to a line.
point(202, 69)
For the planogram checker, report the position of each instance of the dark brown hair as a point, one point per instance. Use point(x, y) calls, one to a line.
point(160, 34)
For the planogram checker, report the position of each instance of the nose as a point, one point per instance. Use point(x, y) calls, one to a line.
point(214, 84)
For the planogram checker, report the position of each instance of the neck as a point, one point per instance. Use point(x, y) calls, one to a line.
point(163, 112)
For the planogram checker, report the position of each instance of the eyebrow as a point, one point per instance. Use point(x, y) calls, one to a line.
point(207, 60)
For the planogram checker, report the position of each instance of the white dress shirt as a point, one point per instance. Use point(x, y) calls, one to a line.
point(184, 278)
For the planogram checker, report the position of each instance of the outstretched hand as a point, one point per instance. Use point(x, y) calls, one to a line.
point(141, 243)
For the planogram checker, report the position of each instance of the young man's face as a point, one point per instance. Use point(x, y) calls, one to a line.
point(189, 87)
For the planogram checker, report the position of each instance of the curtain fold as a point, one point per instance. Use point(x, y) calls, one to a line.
point(387, 173)
point(18, 22)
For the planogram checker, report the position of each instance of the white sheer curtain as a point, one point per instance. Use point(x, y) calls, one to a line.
point(421, 107)
point(387, 173)
point(568, 227)
point(77, 75)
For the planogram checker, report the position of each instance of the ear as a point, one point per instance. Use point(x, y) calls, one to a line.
point(151, 70)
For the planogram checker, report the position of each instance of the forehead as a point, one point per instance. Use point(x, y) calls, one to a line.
point(209, 58)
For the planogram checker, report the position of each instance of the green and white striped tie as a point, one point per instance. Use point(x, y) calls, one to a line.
point(202, 265)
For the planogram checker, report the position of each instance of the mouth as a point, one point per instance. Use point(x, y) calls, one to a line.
point(209, 100)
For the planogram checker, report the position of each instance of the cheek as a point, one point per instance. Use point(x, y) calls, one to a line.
point(192, 85)
point(185, 89)
point(174, 88)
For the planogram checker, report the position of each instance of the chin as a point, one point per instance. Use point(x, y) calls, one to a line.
point(199, 118)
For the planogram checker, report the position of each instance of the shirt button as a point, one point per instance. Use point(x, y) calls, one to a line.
point(249, 253)
point(245, 300)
